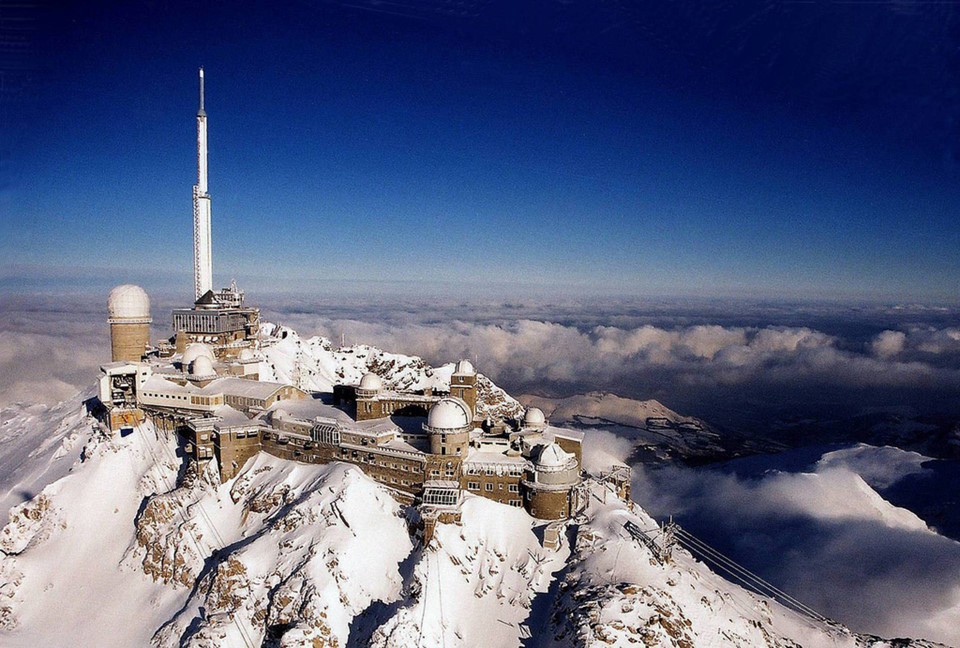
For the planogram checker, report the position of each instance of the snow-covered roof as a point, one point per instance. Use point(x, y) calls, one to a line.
point(400, 445)
point(244, 388)
point(440, 483)
point(307, 409)
point(373, 426)
point(486, 458)
point(158, 383)
point(231, 417)
point(407, 397)
point(118, 367)
point(128, 302)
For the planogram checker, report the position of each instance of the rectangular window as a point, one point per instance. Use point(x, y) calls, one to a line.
point(515, 502)
point(473, 485)
point(514, 488)
point(488, 487)
point(441, 496)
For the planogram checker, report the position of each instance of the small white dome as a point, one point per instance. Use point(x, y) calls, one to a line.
point(128, 302)
point(534, 418)
point(464, 367)
point(371, 382)
point(202, 366)
point(246, 354)
point(553, 456)
point(449, 414)
point(194, 351)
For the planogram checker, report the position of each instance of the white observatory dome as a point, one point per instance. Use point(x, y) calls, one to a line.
point(464, 367)
point(246, 354)
point(202, 366)
point(552, 458)
point(534, 418)
point(371, 382)
point(128, 302)
point(449, 414)
point(194, 351)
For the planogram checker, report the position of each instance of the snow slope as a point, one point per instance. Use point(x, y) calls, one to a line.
point(288, 554)
point(65, 578)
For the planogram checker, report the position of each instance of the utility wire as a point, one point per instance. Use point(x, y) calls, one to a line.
point(747, 577)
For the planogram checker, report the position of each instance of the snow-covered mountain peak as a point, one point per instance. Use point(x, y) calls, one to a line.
point(121, 526)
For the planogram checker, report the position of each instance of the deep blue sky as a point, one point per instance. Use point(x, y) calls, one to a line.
point(784, 149)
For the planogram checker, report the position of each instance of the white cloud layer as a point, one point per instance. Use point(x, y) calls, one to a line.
point(49, 346)
point(826, 537)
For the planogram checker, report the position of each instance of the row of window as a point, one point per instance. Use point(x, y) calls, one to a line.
point(372, 460)
point(391, 480)
point(475, 486)
point(194, 400)
point(166, 396)
point(208, 322)
point(514, 470)
point(441, 496)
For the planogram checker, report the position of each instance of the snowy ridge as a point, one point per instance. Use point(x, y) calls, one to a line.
point(315, 365)
point(657, 433)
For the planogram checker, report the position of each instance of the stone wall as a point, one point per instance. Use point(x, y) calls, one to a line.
point(548, 504)
point(129, 341)
point(499, 488)
point(233, 452)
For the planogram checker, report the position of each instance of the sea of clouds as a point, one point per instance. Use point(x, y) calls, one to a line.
point(716, 360)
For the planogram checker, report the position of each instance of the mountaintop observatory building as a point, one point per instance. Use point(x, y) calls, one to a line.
point(203, 384)
point(128, 307)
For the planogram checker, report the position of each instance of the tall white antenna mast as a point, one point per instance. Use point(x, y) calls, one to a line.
point(202, 252)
